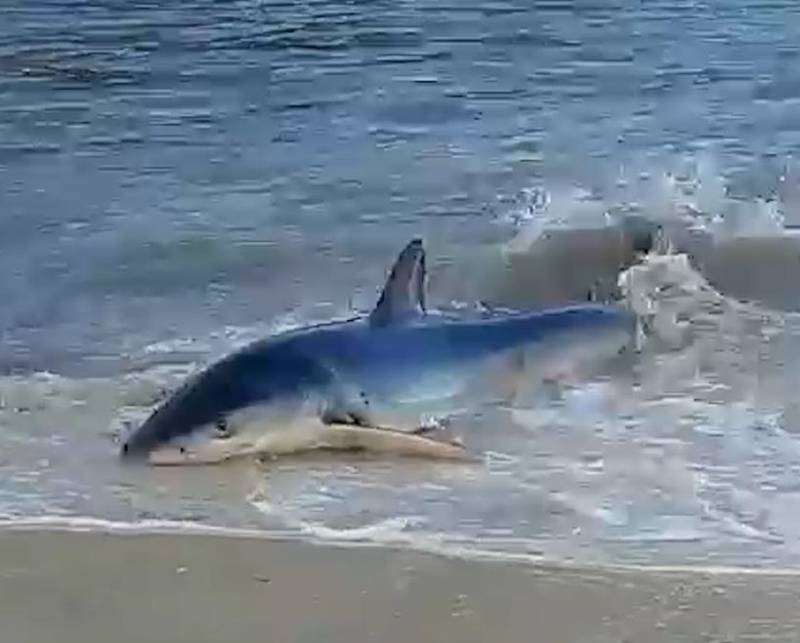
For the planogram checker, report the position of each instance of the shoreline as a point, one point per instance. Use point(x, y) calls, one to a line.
point(467, 554)
point(89, 585)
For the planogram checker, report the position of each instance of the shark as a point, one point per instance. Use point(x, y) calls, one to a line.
point(365, 383)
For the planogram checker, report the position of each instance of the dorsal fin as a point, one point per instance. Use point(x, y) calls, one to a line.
point(404, 293)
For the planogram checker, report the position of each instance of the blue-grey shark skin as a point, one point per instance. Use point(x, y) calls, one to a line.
point(344, 365)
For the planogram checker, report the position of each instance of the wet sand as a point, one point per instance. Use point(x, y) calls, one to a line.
point(96, 587)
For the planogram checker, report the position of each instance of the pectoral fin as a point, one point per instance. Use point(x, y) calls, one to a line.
point(352, 415)
point(342, 437)
point(352, 406)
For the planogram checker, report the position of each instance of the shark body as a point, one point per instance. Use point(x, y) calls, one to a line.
point(339, 375)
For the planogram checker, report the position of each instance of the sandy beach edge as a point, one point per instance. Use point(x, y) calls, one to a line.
point(94, 586)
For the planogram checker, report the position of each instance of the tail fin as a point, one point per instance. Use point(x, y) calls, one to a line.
point(665, 293)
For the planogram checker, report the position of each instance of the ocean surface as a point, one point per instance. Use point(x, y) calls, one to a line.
point(179, 178)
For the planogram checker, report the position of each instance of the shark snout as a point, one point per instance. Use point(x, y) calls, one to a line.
point(168, 424)
point(138, 444)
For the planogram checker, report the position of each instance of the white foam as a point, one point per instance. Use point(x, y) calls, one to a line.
point(441, 544)
point(101, 525)
point(387, 531)
point(691, 191)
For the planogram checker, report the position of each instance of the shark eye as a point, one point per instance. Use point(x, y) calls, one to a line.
point(222, 429)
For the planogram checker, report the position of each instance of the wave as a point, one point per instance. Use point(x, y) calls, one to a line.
point(446, 545)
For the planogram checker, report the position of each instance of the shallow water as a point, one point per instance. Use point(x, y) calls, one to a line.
point(177, 180)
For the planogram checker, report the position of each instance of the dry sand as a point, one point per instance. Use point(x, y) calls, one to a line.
point(95, 587)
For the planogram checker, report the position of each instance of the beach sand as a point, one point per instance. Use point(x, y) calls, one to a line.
point(99, 587)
